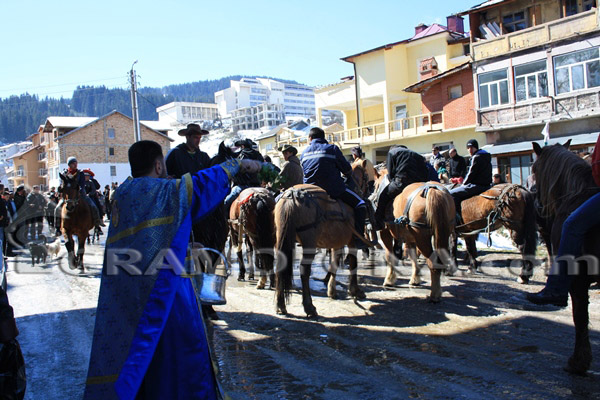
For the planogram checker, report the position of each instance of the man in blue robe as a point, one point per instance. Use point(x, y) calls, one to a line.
point(149, 339)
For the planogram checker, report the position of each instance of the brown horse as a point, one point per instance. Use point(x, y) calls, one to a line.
point(252, 214)
point(564, 182)
point(508, 205)
point(76, 220)
point(423, 211)
point(308, 214)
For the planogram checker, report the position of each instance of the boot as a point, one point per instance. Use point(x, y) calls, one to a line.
point(96, 216)
point(548, 296)
point(384, 199)
point(359, 224)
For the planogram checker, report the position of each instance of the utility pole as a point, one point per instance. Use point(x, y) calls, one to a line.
point(134, 104)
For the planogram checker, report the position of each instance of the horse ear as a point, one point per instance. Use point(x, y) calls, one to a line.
point(567, 144)
point(364, 163)
point(537, 149)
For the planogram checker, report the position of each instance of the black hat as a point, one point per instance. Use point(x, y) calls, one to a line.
point(290, 148)
point(473, 143)
point(357, 151)
point(21, 187)
point(192, 129)
point(245, 142)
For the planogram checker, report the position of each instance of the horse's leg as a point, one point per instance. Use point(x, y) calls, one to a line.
point(472, 252)
point(251, 259)
point(388, 244)
point(80, 252)
point(308, 254)
point(235, 241)
point(581, 359)
point(70, 245)
point(415, 279)
point(424, 245)
point(335, 262)
point(453, 245)
point(353, 289)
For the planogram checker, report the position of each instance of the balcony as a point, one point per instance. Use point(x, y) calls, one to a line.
point(549, 32)
point(21, 172)
point(42, 157)
point(379, 132)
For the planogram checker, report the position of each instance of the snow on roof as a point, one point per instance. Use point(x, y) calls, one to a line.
point(157, 125)
point(70, 122)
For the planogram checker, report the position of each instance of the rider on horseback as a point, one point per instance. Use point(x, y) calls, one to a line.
point(479, 177)
point(322, 164)
point(244, 180)
point(404, 167)
point(77, 175)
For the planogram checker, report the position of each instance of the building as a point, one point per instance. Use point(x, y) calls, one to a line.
point(180, 113)
point(416, 92)
point(9, 150)
point(262, 116)
point(297, 100)
point(535, 62)
point(100, 144)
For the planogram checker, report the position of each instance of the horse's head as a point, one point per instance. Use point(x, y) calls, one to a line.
point(380, 172)
point(359, 174)
point(70, 191)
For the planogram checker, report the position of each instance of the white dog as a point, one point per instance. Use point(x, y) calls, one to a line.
point(53, 248)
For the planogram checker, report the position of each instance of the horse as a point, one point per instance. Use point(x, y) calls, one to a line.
point(424, 210)
point(508, 205)
point(564, 182)
point(252, 214)
point(76, 220)
point(308, 214)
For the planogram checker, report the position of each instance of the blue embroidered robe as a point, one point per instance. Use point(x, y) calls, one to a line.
point(149, 338)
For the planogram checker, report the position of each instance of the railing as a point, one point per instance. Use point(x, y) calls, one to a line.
point(42, 156)
point(378, 132)
point(537, 35)
point(21, 173)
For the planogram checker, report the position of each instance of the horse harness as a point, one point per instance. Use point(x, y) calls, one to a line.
point(422, 190)
point(502, 201)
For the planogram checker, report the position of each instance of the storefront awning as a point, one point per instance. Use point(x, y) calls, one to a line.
point(585, 138)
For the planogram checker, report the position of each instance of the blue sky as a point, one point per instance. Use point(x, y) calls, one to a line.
point(49, 47)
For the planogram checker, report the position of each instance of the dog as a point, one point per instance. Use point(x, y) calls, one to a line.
point(53, 248)
point(38, 252)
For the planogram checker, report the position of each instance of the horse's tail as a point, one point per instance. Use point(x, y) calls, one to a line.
point(286, 240)
point(529, 224)
point(440, 212)
point(265, 228)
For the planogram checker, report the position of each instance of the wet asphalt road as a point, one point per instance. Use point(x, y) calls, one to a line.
point(482, 341)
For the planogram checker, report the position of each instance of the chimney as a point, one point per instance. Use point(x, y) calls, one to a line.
point(455, 24)
point(420, 28)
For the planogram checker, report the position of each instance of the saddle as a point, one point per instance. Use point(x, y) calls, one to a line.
point(307, 195)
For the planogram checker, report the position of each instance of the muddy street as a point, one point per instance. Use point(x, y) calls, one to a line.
point(484, 340)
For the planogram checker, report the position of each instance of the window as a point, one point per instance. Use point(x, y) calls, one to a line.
point(577, 70)
point(111, 151)
point(111, 133)
point(531, 81)
point(443, 146)
point(455, 92)
point(570, 7)
point(518, 168)
point(493, 88)
point(514, 22)
point(113, 170)
point(588, 4)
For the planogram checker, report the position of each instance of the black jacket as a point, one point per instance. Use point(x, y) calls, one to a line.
point(180, 161)
point(457, 167)
point(480, 172)
point(407, 166)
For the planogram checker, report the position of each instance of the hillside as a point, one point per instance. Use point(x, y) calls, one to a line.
point(20, 116)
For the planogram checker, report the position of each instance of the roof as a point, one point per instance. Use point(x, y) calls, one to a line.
point(427, 83)
point(106, 116)
point(69, 122)
point(272, 132)
point(431, 30)
point(585, 138)
point(481, 6)
point(157, 125)
point(24, 151)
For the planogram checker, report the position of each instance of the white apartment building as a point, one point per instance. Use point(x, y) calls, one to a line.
point(181, 113)
point(297, 100)
point(10, 150)
point(261, 116)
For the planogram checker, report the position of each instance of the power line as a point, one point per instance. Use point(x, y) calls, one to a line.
point(59, 85)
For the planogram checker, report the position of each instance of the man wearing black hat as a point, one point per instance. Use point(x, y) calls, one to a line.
point(359, 159)
point(187, 157)
point(479, 177)
point(244, 180)
point(291, 171)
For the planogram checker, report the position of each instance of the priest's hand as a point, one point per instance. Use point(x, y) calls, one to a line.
point(250, 166)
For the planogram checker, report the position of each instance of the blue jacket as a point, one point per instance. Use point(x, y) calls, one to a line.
point(322, 164)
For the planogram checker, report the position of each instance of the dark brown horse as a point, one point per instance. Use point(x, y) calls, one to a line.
point(564, 182)
point(252, 214)
point(508, 205)
point(307, 214)
point(424, 210)
point(76, 220)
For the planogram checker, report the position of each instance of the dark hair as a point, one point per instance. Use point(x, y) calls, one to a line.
point(267, 158)
point(436, 148)
point(142, 156)
point(316, 133)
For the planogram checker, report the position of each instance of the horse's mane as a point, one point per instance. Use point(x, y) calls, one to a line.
point(561, 178)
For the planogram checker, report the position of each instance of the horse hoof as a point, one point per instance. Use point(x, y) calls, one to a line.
point(251, 277)
point(332, 296)
point(260, 286)
point(281, 311)
point(414, 283)
point(524, 280)
point(358, 294)
point(312, 314)
point(433, 300)
point(241, 278)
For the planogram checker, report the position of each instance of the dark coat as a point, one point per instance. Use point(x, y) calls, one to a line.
point(406, 166)
point(322, 164)
point(180, 161)
point(457, 167)
point(480, 172)
point(291, 172)
point(19, 201)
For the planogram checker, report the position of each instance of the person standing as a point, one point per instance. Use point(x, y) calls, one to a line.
point(36, 206)
point(106, 195)
point(149, 339)
point(4, 221)
point(457, 167)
